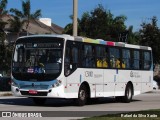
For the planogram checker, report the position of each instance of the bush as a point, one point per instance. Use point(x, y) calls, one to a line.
point(5, 84)
point(157, 79)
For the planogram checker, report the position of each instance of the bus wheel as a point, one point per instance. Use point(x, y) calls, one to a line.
point(82, 96)
point(128, 94)
point(39, 101)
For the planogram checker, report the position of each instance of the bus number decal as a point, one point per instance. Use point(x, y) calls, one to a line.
point(135, 74)
point(89, 73)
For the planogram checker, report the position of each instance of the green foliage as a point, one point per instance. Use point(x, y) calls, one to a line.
point(150, 36)
point(25, 15)
point(3, 11)
point(4, 58)
point(3, 5)
point(133, 37)
point(5, 54)
point(16, 24)
point(99, 23)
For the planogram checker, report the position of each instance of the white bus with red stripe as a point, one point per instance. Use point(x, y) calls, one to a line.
point(63, 66)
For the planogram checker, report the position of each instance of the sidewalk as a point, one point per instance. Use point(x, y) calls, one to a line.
point(5, 93)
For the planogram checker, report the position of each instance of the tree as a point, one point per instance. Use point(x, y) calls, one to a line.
point(4, 50)
point(150, 36)
point(3, 5)
point(99, 23)
point(133, 37)
point(3, 11)
point(16, 25)
point(25, 15)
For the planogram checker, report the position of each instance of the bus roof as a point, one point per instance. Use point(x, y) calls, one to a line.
point(65, 36)
point(110, 43)
point(95, 41)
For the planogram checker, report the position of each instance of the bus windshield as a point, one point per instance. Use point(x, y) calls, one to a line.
point(37, 61)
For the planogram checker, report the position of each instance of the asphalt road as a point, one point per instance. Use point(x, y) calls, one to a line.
point(66, 109)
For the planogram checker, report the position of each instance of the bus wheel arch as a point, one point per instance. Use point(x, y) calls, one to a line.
point(129, 92)
point(83, 94)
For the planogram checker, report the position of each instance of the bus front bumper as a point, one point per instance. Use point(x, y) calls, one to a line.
point(57, 92)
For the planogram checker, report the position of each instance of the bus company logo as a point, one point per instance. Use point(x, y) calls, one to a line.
point(135, 74)
point(89, 73)
point(6, 114)
point(131, 74)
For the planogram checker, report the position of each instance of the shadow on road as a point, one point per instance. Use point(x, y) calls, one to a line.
point(56, 102)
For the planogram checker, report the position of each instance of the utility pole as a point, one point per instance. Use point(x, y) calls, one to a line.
point(75, 11)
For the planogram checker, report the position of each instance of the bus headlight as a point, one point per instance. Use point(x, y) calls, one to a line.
point(57, 83)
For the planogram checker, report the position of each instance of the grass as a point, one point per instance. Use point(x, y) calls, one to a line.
point(139, 115)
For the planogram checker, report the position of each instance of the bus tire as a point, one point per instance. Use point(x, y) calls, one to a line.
point(128, 94)
point(82, 96)
point(39, 101)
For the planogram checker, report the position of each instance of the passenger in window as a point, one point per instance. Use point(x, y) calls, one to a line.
point(105, 64)
point(123, 64)
point(99, 63)
point(118, 63)
point(112, 61)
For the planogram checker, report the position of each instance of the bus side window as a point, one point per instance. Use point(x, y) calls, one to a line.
point(74, 54)
point(114, 57)
point(147, 60)
point(101, 57)
point(126, 58)
point(88, 56)
point(136, 59)
point(71, 58)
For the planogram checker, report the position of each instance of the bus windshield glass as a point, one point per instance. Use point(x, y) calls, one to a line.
point(37, 60)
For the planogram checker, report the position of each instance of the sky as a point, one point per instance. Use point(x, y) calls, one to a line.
point(136, 11)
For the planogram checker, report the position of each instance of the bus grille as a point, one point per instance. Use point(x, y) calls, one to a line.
point(38, 93)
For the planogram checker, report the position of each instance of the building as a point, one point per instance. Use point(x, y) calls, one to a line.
point(35, 27)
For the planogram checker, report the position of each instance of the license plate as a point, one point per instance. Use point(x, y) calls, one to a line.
point(33, 92)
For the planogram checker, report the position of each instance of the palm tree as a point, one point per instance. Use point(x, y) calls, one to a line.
point(3, 5)
point(3, 11)
point(25, 15)
point(3, 49)
point(16, 25)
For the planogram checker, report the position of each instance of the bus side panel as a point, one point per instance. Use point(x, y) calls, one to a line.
point(94, 77)
point(97, 79)
point(136, 80)
point(73, 83)
point(123, 76)
point(147, 77)
point(109, 82)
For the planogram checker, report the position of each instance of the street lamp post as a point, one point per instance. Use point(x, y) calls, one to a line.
point(75, 11)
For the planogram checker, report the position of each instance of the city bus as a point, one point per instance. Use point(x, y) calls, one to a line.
point(79, 68)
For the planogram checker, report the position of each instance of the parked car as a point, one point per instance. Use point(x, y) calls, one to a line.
point(155, 85)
